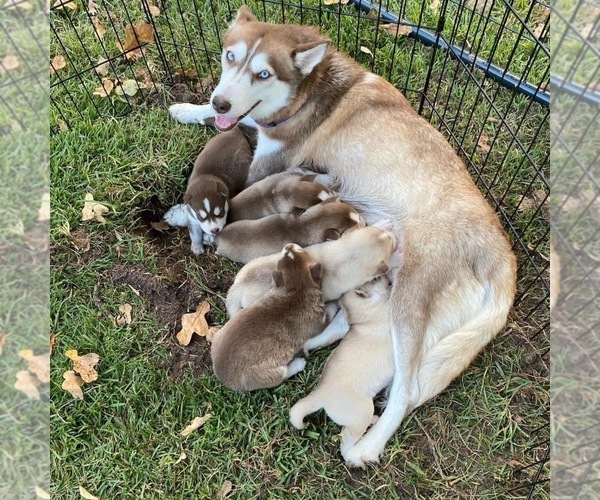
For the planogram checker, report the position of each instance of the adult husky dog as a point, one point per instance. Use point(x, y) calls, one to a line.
point(315, 106)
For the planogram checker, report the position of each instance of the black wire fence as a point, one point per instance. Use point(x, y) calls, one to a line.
point(479, 70)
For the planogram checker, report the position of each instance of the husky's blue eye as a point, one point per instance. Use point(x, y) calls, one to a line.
point(229, 55)
point(264, 74)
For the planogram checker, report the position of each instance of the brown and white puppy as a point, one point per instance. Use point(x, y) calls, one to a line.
point(257, 349)
point(245, 240)
point(358, 256)
point(358, 369)
point(315, 106)
point(277, 194)
point(219, 173)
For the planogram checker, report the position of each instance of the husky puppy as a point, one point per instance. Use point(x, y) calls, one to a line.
point(219, 173)
point(315, 106)
point(358, 256)
point(257, 349)
point(360, 367)
point(277, 194)
point(245, 240)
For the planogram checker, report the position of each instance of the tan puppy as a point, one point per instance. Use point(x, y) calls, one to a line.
point(245, 240)
point(346, 263)
point(219, 173)
point(277, 194)
point(359, 368)
point(257, 348)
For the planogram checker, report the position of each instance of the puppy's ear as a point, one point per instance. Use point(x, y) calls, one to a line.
point(332, 234)
point(308, 177)
point(297, 211)
point(332, 199)
point(315, 272)
point(361, 293)
point(244, 15)
point(278, 278)
point(307, 56)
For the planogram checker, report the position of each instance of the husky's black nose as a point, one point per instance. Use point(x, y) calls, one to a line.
point(220, 105)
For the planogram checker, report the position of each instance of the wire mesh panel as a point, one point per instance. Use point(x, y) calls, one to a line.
point(476, 69)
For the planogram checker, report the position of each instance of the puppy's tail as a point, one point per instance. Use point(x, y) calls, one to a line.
point(176, 216)
point(305, 406)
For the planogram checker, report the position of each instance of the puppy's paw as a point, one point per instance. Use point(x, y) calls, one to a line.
point(197, 249)
point(359, 456)
point(176, 216)
point(208, 239)
point(295, 366)
point(191, 113)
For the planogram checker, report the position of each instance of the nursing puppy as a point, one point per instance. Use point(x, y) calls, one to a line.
point(359, 368)
point(245, 240)
point(220, 172)
point(358, 256)
point(277, 194)
point(315, 106)
point(257, 349)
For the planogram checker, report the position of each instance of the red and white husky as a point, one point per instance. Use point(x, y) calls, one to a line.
point(315, 106)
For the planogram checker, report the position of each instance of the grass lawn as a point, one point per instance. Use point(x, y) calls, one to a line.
point(122, 440)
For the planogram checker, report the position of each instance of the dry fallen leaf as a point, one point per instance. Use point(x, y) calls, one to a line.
point(52, 340)
point(92, 7)
point(84, 365)
point(366, 50)
point(81, 241)
point(483, 143)
point(107, 87)
point(396, 29)
point(99, 30)
point(61, 4)
point(38, 365)
point(186, 73)
point(102, 66)
point(44, 211)
point(554, 275)
point(226, 489)
point(182, 457)
point(86, 494)
point(8, 63)
point(124, 317)
point(532, 201)
point(27, 383)
point(333, 2)
point(2, 342)
point(58, 63)
point(136, 36)
point(93, 210)
point(194, 323)
point(154, 10)
point(129, 87)
point(72, 384)
point(586, 31)
point(161, 225)
point(41, 493)
point(17, 4)
point(539, 31)
point(435, 5)
point(195, 424)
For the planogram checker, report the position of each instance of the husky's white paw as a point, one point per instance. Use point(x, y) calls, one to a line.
point(208, 239)
point(197, 249)
point(191, 113)
point(295, 366)
point(361, 454)
point(176, 216)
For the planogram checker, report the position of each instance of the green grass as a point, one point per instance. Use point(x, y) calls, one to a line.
point(123, 439)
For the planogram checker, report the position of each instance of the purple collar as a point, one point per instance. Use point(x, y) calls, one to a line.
point(274, 123)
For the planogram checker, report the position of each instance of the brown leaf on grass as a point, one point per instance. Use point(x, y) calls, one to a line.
point(195, 424)
point(41, 493)
point(72, 383)
point(532, 201)
point(84, 365)
point(194, 323)
point(107, 87)
point(17, 4)
point(27, 383)
point(225, 490)
point(102, 66)
point(38, 365)
point(9, 63)
point(333, 2)
point(92, 7)
point(483, 143)
point(65, 4)
point(99, 30)
point(2, 342)
point(129, 87)
point(136, 36)
point(93, 210)
point(44, 210)
point(124, 317)
point(154, 10)
point(86, 494)
point(58, 63)
point(554, 275)
point(52, 340)
point(396, 29)
point(161, 225)
point(366, 50)
point(539, 31)
point(435, 5)
point(186, 73)
point(181, 458)
point(586, 31)
point(81, 241)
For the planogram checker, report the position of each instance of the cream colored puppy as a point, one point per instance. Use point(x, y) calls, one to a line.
point(358, 256)
point(359, 368)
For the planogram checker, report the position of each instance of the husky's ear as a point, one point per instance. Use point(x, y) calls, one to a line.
point(361, 293)
point(278, 278)
point(307, 56)
point(308, 177)
point(332, 234)
point(244, 15)
point(315, 272)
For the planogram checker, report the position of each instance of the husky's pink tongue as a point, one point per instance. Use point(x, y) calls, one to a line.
point(223, 123)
